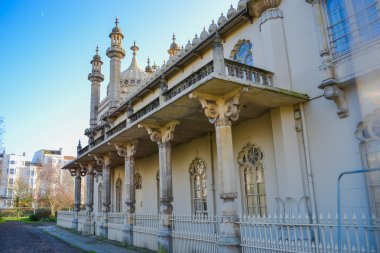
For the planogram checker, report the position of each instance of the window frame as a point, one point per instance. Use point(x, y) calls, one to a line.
point(203, 187)
point(243, 166)
point(118, 196)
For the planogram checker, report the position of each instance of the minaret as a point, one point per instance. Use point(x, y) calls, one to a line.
point(174, 48)
point(115, 52)
point(96, 78)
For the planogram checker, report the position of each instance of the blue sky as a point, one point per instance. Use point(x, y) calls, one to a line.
point(45, 49)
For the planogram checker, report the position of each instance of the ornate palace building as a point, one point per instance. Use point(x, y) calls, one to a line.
point(236, 142)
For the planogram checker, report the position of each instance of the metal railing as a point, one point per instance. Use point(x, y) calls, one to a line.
point(195, 233)
point(297, 234)
point(355, 30)
point(83, 150)
point(117, 128)
point(204, 71)
point(97, 141)
point(145, 110)
point(145, 230)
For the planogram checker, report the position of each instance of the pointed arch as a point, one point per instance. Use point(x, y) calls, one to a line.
point(100, 195)
point(198, 178)
point(242, 52)
point(250, 160)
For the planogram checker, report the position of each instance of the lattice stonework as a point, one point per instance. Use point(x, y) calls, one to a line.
point(250, 160)
point(138, 181)
point(368, 132)
point(118, 195)
point(242, 52)
point(198, 177)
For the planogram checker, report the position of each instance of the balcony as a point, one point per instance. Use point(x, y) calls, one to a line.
point(259, 95)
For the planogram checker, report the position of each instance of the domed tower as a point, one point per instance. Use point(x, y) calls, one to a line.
point(148, 69)
point(96, 78)
point(133, 76)
point(115, 52)
point(174, 48)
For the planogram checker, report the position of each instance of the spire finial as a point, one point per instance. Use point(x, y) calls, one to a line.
point(134, 48)
point(97, 50)
point(173, 37)
point(117, 21)
point(148, 61)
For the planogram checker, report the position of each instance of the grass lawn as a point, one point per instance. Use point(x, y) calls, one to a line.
point(21, 219)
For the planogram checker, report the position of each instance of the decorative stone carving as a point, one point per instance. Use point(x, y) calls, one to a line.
point(160, 134)
point(369, 128)
point(126, 150)
point(336, 94)
point(220, 110)
point(258, 7)
point(163, 84)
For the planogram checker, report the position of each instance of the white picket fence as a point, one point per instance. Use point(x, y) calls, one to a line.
point(145, 230)
point(297, 234)
point(195, 233)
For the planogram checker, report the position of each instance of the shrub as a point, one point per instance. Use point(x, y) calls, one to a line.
point(43, 213)
point(33, 217)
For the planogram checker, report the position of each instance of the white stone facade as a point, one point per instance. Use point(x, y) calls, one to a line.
point(272, 138)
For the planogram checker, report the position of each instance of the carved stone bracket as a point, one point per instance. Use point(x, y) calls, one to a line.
point(160, 134)
point(126, 150)
point(104, 160)
point(220, 110)
point(336, 94)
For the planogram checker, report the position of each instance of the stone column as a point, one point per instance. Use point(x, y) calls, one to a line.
point(162, 135)
point(128, 151)
point(105, 162)
point(89, 226)
point(218, 56)
point(77, 199)
point(220, 111)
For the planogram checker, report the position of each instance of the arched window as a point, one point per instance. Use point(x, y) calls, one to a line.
point(138, 181)
point(242, 52)
point(198, 179)
point(100, 190)
point(250, 160)
point(368, 132)
point(118, 195)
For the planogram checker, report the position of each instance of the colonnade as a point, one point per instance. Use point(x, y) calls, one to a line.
point(220, 111)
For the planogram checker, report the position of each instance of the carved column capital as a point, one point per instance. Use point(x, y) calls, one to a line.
point(220, 110)
point(160, 134)
point(126, 150)
point(104, 160)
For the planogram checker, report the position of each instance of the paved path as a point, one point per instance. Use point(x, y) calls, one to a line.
point(18, 237)
point(89, 243)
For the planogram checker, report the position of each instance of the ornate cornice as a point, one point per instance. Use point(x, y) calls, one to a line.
point(258, 7)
